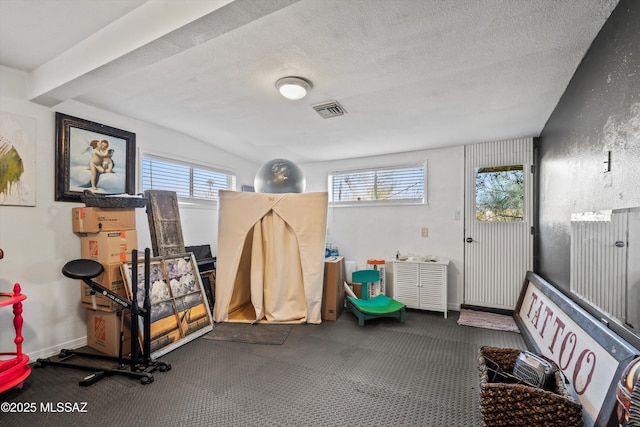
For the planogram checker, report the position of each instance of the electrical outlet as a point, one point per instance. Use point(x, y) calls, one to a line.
point(456, 215)
point(425, 232)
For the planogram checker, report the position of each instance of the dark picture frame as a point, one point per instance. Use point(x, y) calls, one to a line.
point(209, 284)
point(81, 162)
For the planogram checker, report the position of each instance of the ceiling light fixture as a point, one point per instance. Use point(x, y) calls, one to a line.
point(293, 87)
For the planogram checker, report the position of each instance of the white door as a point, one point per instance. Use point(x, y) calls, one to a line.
point(498, 220)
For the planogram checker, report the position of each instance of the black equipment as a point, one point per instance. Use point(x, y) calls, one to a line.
point(207, 269)
point(140, 364)
point(205, 260)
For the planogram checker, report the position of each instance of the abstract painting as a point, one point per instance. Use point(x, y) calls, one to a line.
point(17, 160)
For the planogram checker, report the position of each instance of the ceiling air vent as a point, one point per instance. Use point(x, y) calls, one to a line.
point(330, 109)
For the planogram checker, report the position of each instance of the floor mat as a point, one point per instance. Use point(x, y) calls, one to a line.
point(486, 320)
point(259, 333)
point(392, 373)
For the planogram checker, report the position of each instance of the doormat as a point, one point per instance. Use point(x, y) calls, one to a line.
point(259, 333)
point(486, 320)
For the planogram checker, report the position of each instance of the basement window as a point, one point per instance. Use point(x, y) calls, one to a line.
point(385, 185)
point(192, 183)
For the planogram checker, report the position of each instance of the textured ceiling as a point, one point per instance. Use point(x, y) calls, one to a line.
point(411, 74)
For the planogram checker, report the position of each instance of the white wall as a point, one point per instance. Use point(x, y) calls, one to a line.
point(379, 232)
point(38, 241)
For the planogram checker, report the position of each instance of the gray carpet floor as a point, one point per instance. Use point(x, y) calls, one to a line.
point(420, 373)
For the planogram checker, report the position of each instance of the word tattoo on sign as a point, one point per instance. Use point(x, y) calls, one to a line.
point(564, 344)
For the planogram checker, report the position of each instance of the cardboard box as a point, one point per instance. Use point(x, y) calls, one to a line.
point(94, 220)
point(103, 332)
point(357, 289)
point(373, 289)
point(110, 279)
point(333, 289)
point(108, 247)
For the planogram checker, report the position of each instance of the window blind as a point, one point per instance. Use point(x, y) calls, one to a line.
point(188, 181)
point(377, 185)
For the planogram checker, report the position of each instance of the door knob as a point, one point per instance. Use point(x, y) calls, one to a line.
point(469, 240)
point(619, 244)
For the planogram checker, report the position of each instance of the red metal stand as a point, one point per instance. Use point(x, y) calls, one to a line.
point(14, 368)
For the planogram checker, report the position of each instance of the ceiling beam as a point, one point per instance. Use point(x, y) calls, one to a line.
point(150, 33)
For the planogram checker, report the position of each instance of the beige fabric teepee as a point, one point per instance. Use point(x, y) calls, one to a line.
point(270, 261)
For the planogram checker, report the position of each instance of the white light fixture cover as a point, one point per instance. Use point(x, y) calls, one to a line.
point(293, 87)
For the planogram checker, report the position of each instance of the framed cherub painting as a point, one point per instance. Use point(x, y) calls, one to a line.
point(92, 156)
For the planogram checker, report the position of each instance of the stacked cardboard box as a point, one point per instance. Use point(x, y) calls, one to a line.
point(103, 331)
point(111, 279)
point(107, 235)
point(94, 220)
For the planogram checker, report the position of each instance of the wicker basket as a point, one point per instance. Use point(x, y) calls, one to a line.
point(504, 404)
point(94, 200)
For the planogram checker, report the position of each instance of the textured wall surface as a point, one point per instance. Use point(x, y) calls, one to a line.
point(599, 112)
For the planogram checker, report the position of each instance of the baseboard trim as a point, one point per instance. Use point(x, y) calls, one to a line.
point(52, 351)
